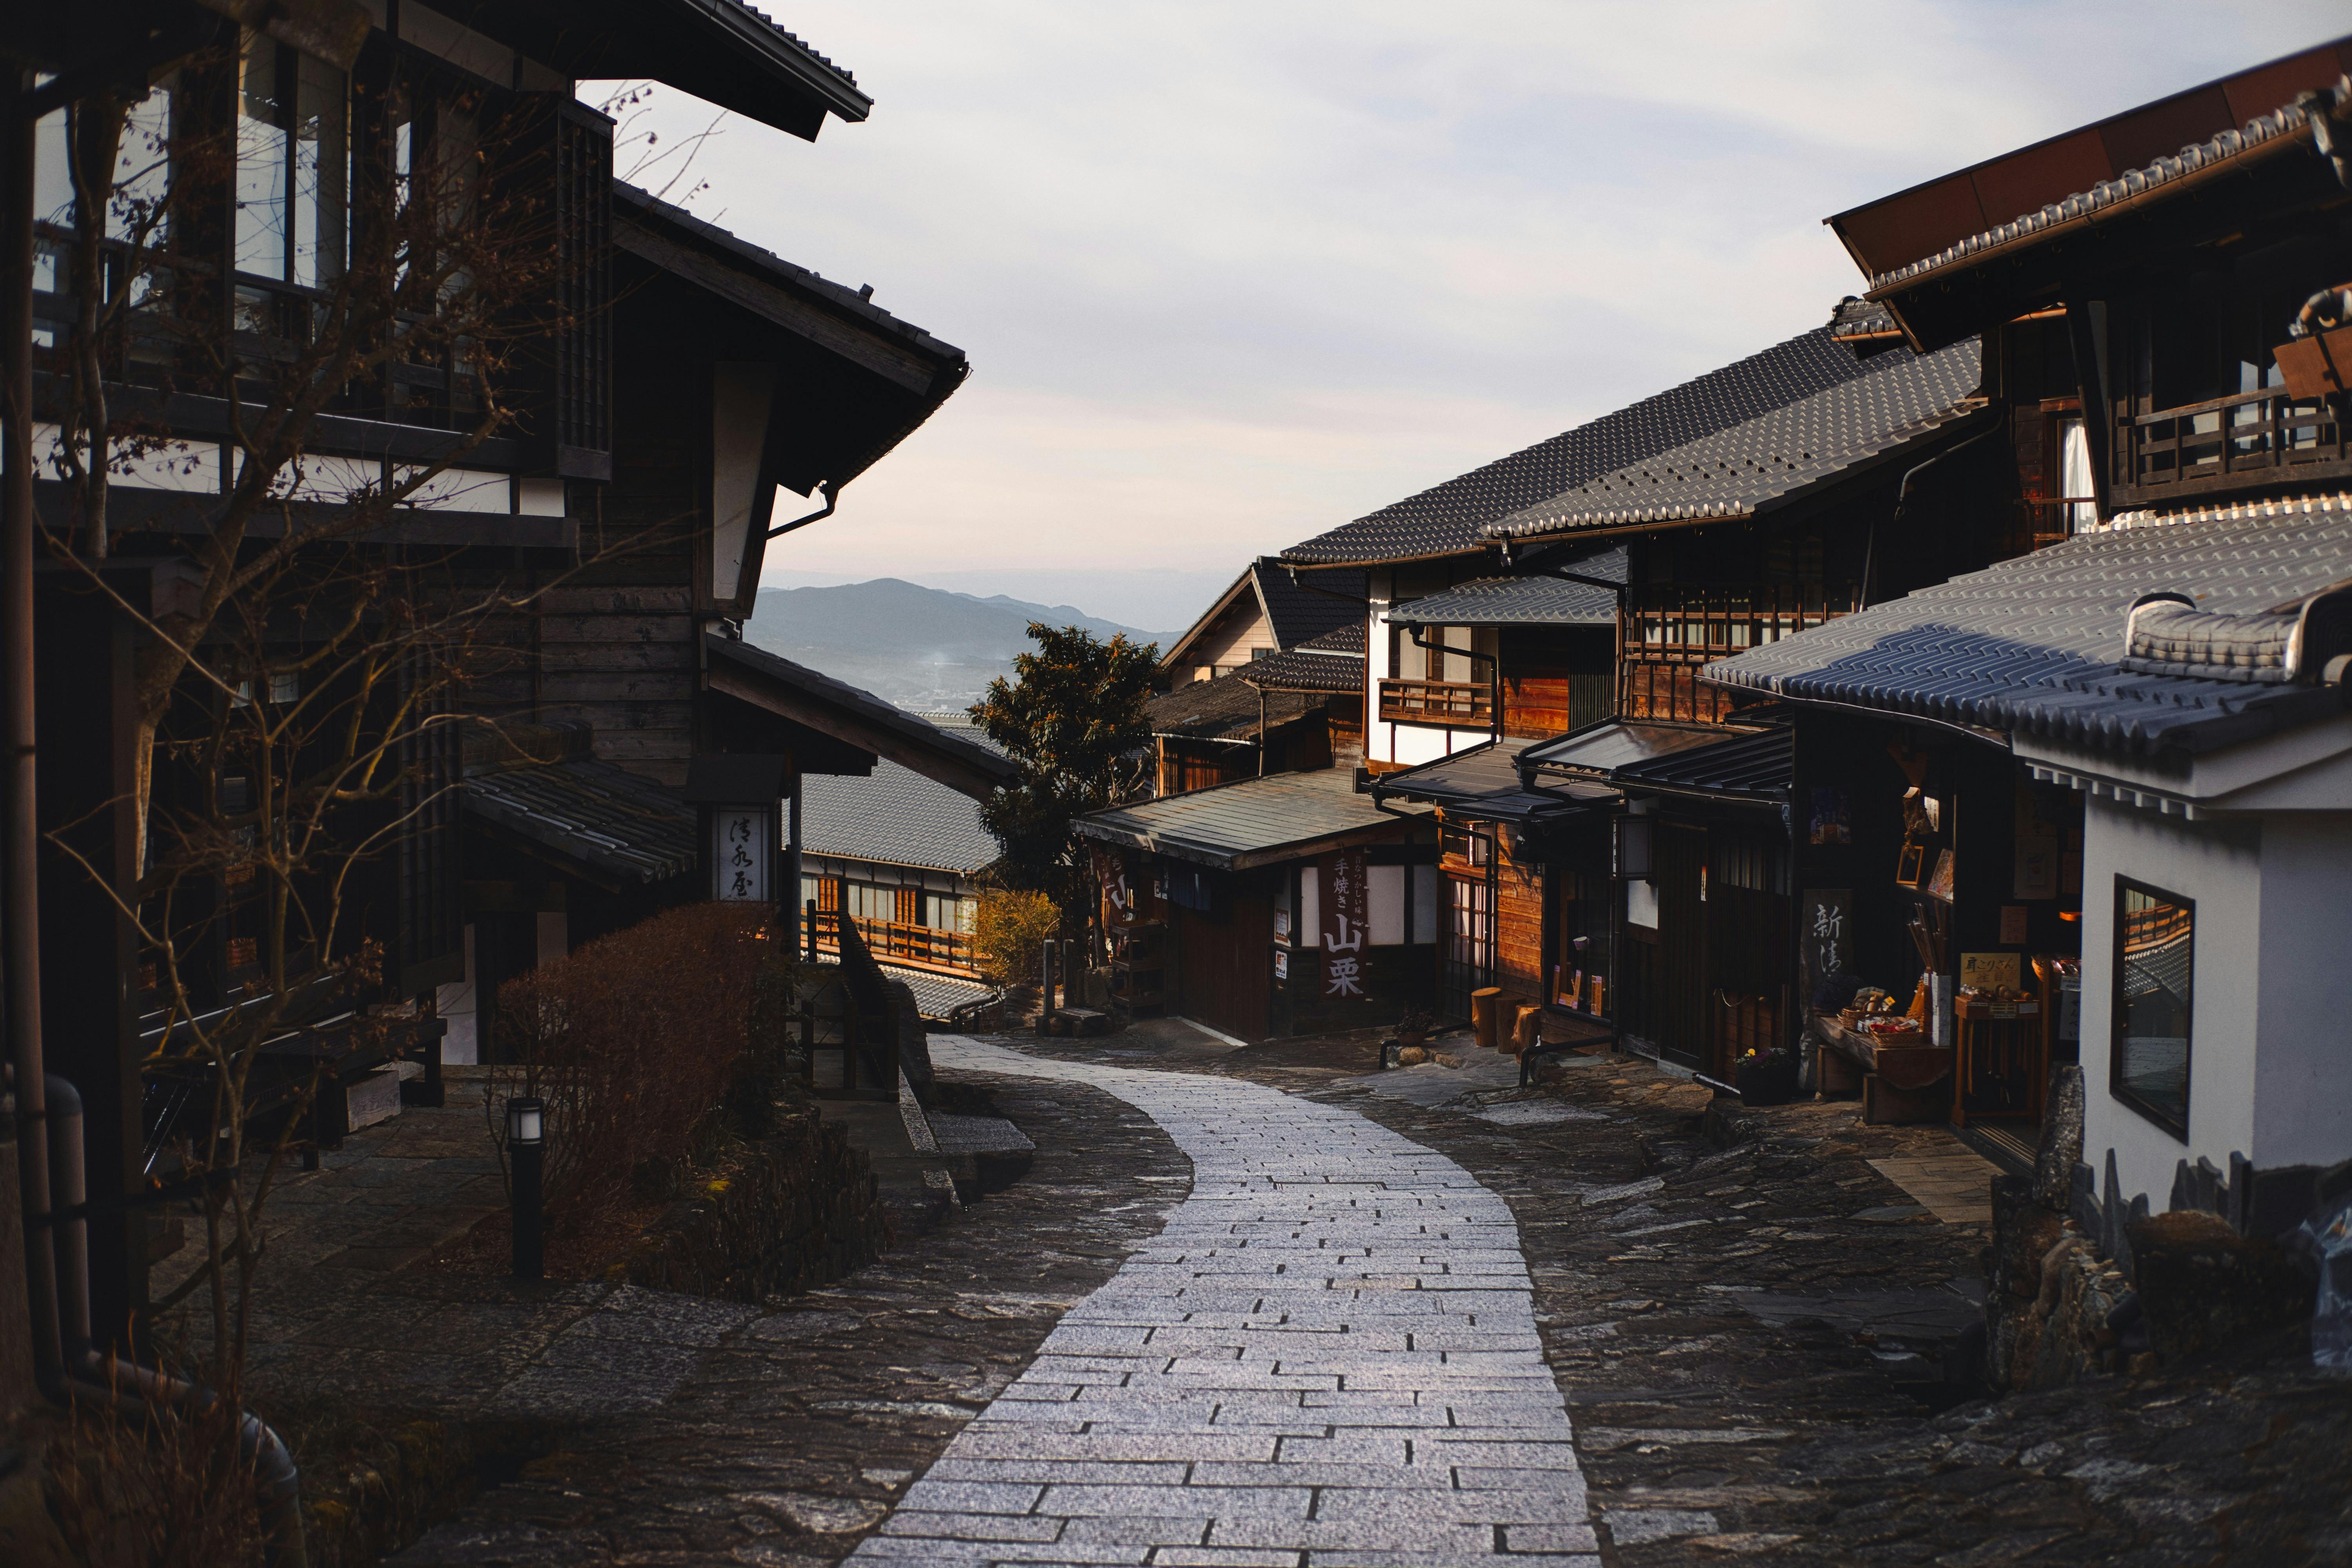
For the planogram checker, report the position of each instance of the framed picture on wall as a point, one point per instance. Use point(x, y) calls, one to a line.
point(1940, 885)
point(1907, 865)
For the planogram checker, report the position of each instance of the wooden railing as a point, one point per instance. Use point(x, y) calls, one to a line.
point(2244, 438)
point(918, 947)
point(1462, 703)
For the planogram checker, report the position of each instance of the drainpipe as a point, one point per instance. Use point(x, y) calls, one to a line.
point(20, 909)
point(85, 1376)
point(1903, 502)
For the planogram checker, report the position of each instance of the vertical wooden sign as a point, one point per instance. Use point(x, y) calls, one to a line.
point(1345, 919)
point(1827, 939)
point(1110, 871)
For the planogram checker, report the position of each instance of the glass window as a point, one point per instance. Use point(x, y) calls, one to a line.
point(293, 164)
point(321, 170)
point(261, 144)
point(2076, 487)
point(2155, 965)
point(945, 911)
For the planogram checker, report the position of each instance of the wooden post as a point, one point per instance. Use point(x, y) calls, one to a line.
point(1484, 1008)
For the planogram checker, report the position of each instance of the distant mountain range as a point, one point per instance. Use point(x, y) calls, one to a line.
point(922, 648)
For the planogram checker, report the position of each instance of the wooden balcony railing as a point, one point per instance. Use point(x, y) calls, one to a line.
point(1461, 703)
point(2247, 437)
point(918, 947)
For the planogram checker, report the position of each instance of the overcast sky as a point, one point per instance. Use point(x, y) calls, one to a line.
point(1231, 274)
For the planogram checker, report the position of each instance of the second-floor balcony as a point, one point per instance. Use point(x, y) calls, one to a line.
point(915, 946)
point(2258, 437)
point(1459, 704)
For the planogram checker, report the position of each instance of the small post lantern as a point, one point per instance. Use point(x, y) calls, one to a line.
point(737, 795)
point(527, 1155)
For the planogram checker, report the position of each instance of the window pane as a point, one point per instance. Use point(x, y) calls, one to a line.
point(2075, 480)
point(261, 143)
point(2154, 942)
point(52, 176)
point(320, 173)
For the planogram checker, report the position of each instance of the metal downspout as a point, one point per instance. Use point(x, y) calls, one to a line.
point(20, 909)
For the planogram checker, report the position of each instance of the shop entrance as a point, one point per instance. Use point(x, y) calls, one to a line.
point(1469, 941)
point(1680, 1007)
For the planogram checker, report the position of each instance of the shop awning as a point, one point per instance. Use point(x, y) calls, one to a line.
point(1736, 761)
point(1529, 600)
point(1258, 822)
point(1484, 782)
point(590, 819)
point(855, 718)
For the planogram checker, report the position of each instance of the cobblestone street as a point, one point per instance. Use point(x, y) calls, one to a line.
point(1256, 1307)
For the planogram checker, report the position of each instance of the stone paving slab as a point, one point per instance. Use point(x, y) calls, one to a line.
point(1286, 1297)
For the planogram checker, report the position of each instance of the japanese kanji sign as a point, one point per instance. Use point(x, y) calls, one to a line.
point(1826, 938)
point(1346, 922)
point(739, 837)
point(1110, 871)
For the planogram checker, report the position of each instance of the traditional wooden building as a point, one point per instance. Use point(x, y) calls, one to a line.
point(2134, 740)
point(902, 855)
point(682, 377)
point(1287, 712)
point(1293, 904)
point(1265, 612)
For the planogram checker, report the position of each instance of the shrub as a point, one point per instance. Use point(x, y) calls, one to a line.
point(632, 1040)
point(1010, 931)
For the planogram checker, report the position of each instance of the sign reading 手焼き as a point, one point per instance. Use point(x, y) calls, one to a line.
point(1345, 919)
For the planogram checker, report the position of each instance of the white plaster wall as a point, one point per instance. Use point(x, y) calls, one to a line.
point(1413, 743)
point(2303, 1067)
point(2220, 866)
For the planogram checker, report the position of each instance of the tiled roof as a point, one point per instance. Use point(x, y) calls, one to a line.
point(623, 829)
point(1447, 519)
point(1862, 321)
point(897, 818)
point(1524, 601)
point(1300, 613)
point(1349, 638)
point(1767, 461)
point(2263, 136)
point(1258, 822)
point(937, 995)
point(794, 40)
point(1227, 708)
point(1305, 670)
point(645, 206)
point(2035, 646)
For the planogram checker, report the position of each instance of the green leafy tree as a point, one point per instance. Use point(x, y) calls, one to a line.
point(1074, 720)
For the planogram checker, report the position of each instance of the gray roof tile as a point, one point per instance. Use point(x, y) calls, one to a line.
point(1305, 670)
point(1525, 601)
point(1446, 520)
point(2035, 644)
point(2266, 133)
point(1229, 707)
point(618, 826)
point(897, 818)
point(1902, 402)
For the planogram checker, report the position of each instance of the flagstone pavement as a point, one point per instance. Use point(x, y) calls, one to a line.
point(1329, 1351)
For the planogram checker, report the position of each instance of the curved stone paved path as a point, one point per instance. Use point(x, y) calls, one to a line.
point(1328, 1358)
